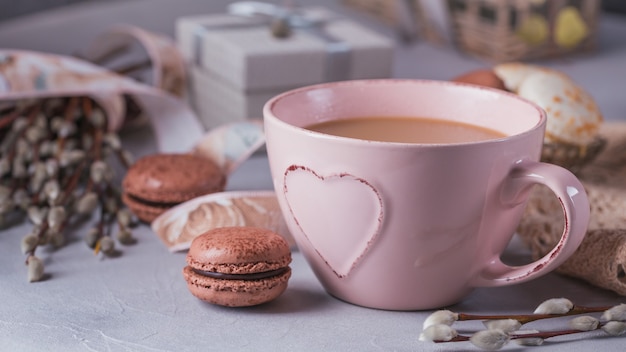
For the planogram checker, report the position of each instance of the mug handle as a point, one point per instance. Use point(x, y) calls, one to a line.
point(575, 204)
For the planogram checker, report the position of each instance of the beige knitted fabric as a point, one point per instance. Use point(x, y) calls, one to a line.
point(601, 258)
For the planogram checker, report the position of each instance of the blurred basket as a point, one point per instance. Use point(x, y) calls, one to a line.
point(384, 10)
point(570, 156)
point(412, 18)
point(523, 29)
point(498, 30)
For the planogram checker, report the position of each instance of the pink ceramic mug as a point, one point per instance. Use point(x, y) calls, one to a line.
point(407, 226)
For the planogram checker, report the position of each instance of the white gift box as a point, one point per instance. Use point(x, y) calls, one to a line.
point(236, 64)
point(217, 102)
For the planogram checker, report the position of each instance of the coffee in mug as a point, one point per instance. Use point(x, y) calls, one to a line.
point(406, 130)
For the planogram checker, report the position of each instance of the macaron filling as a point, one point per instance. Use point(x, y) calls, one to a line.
point(165, 205)
point(247, 276)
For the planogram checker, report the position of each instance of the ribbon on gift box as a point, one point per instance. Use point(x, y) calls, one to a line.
point(268, 15)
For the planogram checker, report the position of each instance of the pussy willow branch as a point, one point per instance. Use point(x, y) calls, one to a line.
point(32, 114)
point(40, 235)
point(86, 106)
point(69, 112)
point(542, 334)
point(72, 182)
point(7, 120)
point(527, 318)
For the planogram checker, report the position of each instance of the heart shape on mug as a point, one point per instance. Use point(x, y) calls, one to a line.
point(346, 219)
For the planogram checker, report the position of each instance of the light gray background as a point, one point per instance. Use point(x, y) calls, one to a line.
point(139, 301)
point(16, 8)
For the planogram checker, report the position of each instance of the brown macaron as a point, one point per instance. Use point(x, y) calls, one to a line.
point(158, 182)
point(238, 266)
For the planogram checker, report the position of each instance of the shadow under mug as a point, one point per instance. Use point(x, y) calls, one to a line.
point(409, 226)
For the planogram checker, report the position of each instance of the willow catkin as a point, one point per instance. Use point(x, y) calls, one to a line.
point(601, 257)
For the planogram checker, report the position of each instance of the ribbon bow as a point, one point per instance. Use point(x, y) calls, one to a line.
point(282, 19)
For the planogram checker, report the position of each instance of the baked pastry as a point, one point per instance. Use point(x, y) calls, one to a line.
point(238, 266)
point(158, 182)
point(571, 138)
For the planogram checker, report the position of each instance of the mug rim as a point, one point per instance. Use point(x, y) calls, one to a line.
point(268, 112)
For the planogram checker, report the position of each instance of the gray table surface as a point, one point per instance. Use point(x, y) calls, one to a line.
point(139, 301)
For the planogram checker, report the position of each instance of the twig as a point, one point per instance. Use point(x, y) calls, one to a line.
point(527, 318)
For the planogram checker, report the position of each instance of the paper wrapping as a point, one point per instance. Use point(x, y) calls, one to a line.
point(601, 258)
point(31, 75)
point(126, 45)
point(178, 226)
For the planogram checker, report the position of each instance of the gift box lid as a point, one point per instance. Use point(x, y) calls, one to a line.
point(243, 52)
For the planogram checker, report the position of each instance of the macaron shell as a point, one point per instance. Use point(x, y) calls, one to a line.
point(173, 178)
point(143, 211)
point(235, 293)
point(239, 250)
